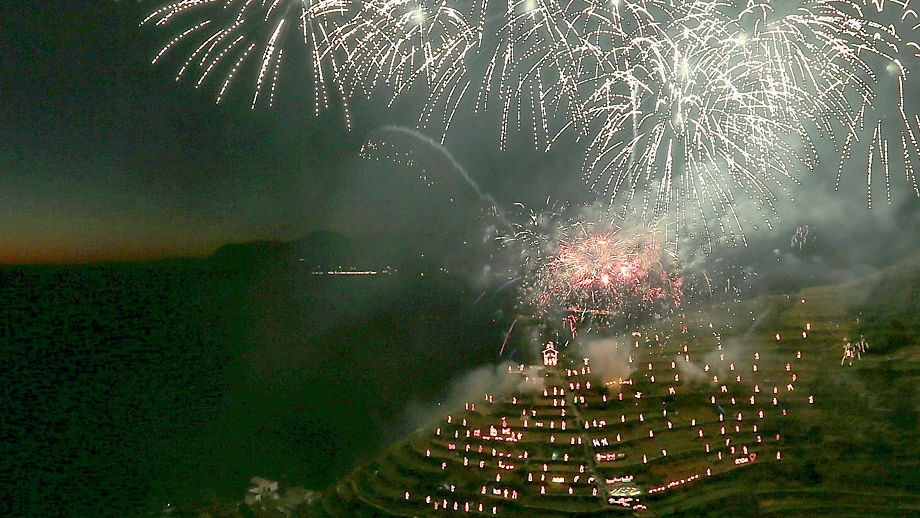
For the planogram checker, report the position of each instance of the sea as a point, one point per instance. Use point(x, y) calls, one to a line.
point(127, 387)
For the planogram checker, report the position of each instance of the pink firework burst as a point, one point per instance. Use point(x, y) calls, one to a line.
point(602, 273)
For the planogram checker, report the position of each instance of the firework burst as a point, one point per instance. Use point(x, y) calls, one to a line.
point(721, 107)
point(695, 124)
point(589, 270)
point(546, 61)
point(850, 59)
point(703, 113)
point(248, 37)
point(401, 45)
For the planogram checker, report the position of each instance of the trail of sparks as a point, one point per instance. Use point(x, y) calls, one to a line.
point(702, 112)
point(507, 336)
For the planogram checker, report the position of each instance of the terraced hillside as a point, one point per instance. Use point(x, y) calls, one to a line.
point(673, 432)
point(568, 442)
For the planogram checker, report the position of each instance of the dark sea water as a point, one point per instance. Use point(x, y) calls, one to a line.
point(126, 387)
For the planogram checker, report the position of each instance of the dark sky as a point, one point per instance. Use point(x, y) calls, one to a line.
point(104, 155)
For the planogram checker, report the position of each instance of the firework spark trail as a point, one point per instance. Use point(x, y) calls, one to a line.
point(505, 285)
point(507, 336)
point(379, 141)
point(231, 30)
point(398, 44)
point(800, 237)
point(859, 51)
point(699, 111)
point(696, 121)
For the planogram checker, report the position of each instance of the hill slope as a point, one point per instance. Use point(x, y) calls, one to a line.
point(744, 409)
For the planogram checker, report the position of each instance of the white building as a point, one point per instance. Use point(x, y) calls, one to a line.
point(550, 355)
point(262, 489)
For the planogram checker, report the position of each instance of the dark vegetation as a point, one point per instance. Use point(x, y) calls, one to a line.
point(127, 386)
point(889, 317)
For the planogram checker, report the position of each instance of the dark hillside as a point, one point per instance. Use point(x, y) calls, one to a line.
point(127, 386)
point(890, 316)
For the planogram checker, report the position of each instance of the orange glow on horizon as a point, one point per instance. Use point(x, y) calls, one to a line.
point(33, 254)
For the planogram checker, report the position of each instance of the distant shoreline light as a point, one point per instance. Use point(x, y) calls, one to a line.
point(350, 272)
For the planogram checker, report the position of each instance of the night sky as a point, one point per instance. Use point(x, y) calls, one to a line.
point(105, 156)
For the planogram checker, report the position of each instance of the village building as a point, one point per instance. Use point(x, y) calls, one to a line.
point(550, 355)
point(262, 489)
